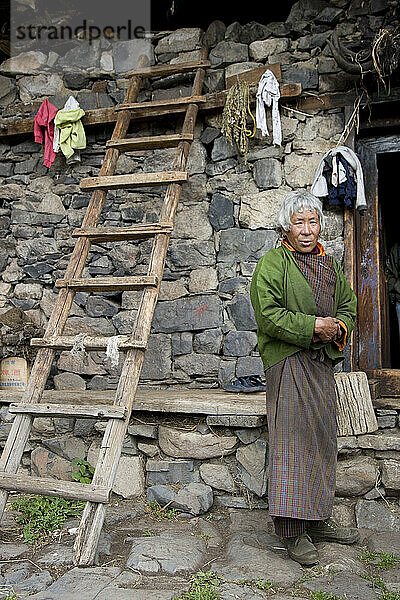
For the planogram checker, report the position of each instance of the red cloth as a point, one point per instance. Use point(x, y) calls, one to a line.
point(43, 128)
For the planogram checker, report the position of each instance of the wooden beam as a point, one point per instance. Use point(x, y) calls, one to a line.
point(52, 487)
point(254, 75)
point(98, 411)
point(101, 116)
point(388, 381)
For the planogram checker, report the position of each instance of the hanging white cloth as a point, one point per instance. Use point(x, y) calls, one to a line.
point(268, 94)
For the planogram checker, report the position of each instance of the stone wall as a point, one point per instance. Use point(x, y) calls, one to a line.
point(195, 462)
point(204, 329)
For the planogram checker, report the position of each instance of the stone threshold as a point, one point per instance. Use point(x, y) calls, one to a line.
point(171, 400)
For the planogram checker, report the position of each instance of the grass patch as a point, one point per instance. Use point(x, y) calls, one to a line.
point(380, 560)
point(82, 470)
point(203, 586)
point(259, 583)
point(377, 582)
point(390, 596)
point(160, 512)
point(41, 515)
point(323, 596)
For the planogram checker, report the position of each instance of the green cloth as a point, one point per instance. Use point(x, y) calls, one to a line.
point(72, 133)
point(285, 308)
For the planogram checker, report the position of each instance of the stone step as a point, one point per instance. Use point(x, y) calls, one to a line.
point(103, 284)
point(112, 234)
point(115, 182)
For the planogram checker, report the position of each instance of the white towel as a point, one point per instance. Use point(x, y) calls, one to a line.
point(268, 94)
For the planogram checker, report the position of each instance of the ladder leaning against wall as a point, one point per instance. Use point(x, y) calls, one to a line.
point(97, 493)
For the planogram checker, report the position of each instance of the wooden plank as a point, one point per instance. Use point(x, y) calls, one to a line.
point(111, 234)
point(355, 414)
point(53, 487)
point(100, 116)
point(388, 381)
point(170, 69)
point(154, 105)
point(69, 410)
point(115, 182)
point(254, 75)
point(102, 284)
point(149, 142)
point(88, 342)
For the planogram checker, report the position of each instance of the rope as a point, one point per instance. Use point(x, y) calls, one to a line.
point(234, 117)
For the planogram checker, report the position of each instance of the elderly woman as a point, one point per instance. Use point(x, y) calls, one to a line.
point(305, 311)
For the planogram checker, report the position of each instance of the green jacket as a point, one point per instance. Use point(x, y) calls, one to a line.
point(285, 308)
point(72, 133)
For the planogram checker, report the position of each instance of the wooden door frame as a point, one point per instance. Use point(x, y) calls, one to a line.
point(372, 323)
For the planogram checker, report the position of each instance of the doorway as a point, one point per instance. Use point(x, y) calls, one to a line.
point(388, 166)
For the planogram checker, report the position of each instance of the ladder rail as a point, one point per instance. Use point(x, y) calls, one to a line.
point(20, 429)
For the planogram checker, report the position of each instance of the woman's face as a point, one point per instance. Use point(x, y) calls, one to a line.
point(304, 230)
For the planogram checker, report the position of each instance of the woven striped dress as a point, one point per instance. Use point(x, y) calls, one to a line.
point(301, 415)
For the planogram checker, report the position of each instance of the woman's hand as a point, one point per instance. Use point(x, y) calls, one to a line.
point(327, 328)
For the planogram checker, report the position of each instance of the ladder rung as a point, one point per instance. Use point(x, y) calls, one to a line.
point(150, 142)
point(64, 342)
point(163, 70)
point(103, 284)
point(113, 182)
point(112, 234)
point(155, 104)
point(52, 487)
point(98, 411)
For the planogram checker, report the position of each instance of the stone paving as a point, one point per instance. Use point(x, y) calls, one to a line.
point(141, 557)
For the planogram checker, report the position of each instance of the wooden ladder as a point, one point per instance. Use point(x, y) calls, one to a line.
point(97, 493)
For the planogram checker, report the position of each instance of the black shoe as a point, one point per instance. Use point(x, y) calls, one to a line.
point(302, 550)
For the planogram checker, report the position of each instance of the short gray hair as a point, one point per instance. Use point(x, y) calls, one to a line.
point(298, 201)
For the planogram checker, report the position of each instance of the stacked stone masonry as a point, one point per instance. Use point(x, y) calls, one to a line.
point(203, 330)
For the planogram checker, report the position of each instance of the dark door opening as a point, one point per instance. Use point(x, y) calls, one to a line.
point(388, 168)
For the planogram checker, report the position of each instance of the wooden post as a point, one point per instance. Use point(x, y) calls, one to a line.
point(355, 413)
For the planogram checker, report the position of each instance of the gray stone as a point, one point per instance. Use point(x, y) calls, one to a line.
point(144, 430)
point(46, 84)
point(188, 314)
point(67, 447)
point(241, 245)
point(201, 365)
point(343, 583)
point(182, 343)
point(12, 551)
point(253, 463)
point(337, 557)
point(308, 42)
point(391, 477)
point(24, 63)
point(126, 53)
point(129, 480)
point(48, 464)
point(82, 56)
point(263, 49)
point(97, 306)
point(217, 476)
point(253, 31)
point(90, 582)
point(379, 442)
point(162, 494)
point(228, 52)
point(374, 515)
point(57, 555)
point(249, 365)
point(214, 34)
point(209, 135)
point(208, 341)
point(191, 444)
point(248, 554)
point(236, 502)
point(221, 212)
point(170, 552)
point(356, 476)
point(239, 343)
point(248, 435)
point(233, 284)
point(150, 450)
point(162, 472)
point(241, 313)
point(222, 149)
point(388, 541)
point(181, 40)
point(386, 421)
point(186, 255)
point(157, 360)
point(76, 80)
point(221, 167)
point(194, 498)
point(268, 173)
point(303, 73)
point(203, 280)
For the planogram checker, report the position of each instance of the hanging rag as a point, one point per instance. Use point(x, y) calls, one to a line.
point(320, 185)
point(268, 94)
point(43, 130)
point(71, 132)
point(342, 188)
